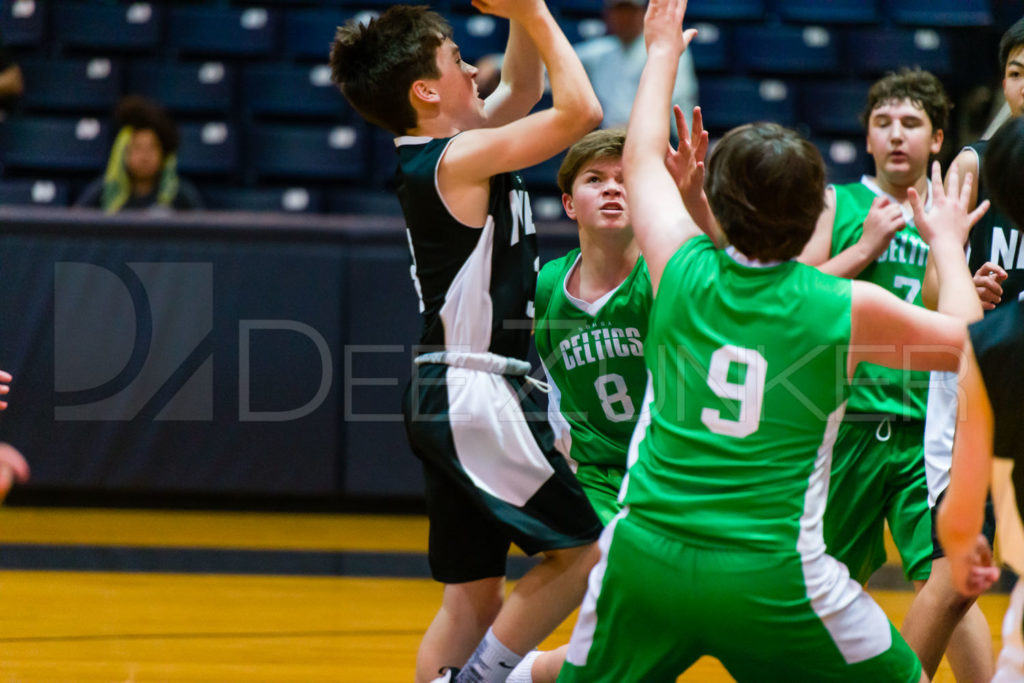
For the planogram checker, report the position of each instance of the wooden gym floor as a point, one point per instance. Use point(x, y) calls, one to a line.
point(125, 595)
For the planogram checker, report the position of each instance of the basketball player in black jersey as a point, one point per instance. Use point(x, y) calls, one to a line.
point(492, 475)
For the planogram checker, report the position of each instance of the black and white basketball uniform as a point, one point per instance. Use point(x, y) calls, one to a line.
point(998, 342)
point(492, 473)
point(996, 238)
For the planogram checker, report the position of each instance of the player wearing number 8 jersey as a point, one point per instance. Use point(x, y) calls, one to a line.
point(719, 549)
point(592, 307)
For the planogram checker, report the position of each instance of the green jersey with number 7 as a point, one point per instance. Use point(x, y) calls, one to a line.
point(900, 269)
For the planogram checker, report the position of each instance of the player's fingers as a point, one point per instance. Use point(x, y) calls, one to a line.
point(702, 147)
point(976, 215)
point(688, 35)
point(953, 178)
point(5, 376)
point(684, 134)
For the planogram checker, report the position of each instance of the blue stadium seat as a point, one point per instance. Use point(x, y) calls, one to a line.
point(185, 88)
point(358, 201)
point(876, 51)
point(846, 159)
point(726, 10)
point(940, 12)
point(228, 31)
point(293, 90)
point(34, 192)
point(208, 148)
point(94, 26)
point(711, 47)
point(787, 49)
point(288, 200)
point(22, 22)
point(478, 35)
point(308, 152)
point(55, 144)
point(828, 11)
point(728, 102)
point(79, 85)
point(308, 33)
point(834, 107)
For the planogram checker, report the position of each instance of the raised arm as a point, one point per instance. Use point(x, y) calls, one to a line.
point(945, 229)
point(960, 518)
point(522, 80)
point(686, 164)
point(962, 512)
point(660, 221)
point(966, 162)
point(478, 154)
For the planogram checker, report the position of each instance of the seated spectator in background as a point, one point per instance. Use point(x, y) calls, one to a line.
point(615, 61)
point(142, 172)
point(11, 83)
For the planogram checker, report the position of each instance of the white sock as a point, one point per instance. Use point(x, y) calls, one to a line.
point(491, 663)
point(522, 673)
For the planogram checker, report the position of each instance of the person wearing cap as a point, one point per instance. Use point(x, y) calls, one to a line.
point(615, 61)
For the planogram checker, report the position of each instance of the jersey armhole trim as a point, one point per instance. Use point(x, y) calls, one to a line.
point(437, 188)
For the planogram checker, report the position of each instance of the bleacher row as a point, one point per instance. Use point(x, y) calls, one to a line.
point(263, 127)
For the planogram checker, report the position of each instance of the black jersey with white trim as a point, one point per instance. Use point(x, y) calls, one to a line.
point(476, 285)
point(997, 239)
point(998, 343)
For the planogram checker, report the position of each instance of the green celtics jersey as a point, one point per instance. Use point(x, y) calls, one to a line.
point(747, 365)
point(594, 357)
point(900, 269)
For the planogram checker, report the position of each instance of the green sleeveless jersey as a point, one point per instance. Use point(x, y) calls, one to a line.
point(900, 269)
point(593, 355)
point(747, 365)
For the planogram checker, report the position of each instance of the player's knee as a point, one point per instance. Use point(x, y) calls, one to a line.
point(581, 558)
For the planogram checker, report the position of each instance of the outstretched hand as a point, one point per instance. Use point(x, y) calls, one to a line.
point(517, 10)
point(948, 217)
point(686, 162)
point(663, 25)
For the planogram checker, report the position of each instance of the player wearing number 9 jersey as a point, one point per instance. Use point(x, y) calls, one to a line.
point(719, 548)
point(592, 307)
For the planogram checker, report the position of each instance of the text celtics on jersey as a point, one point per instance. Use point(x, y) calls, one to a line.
point(595, 344)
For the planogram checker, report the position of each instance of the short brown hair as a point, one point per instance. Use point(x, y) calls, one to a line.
point(599, 144)
point(920, 87)
point(766, 187)
point(375, 64)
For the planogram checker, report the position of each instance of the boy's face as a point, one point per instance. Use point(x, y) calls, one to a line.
point(598, 199)
point(1013, 81)
point(460, 98)
point(900, 138)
